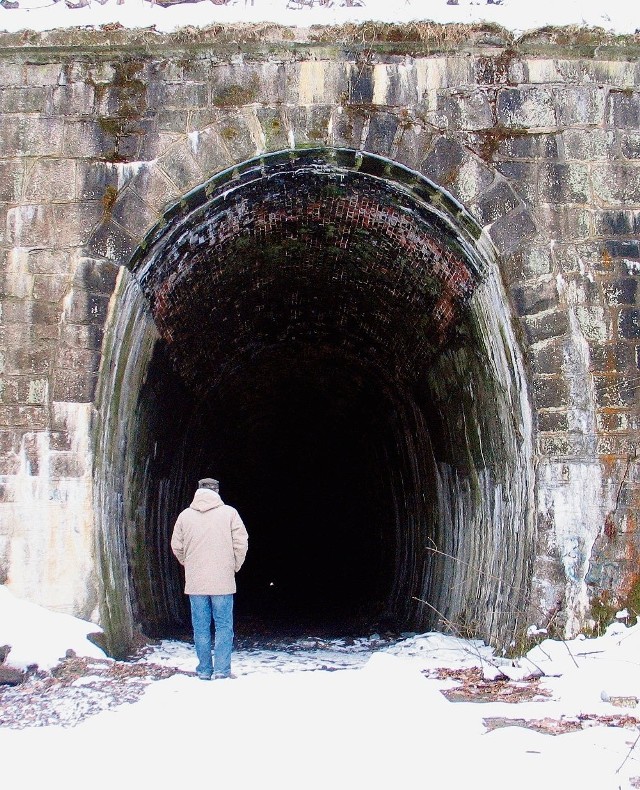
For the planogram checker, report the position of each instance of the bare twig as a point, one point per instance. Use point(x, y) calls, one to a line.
point(631, 748)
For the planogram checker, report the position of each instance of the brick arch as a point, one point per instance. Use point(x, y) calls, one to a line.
point(432, 332)
point(151, 190)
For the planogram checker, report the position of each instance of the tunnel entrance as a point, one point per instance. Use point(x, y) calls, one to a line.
point(323, 331)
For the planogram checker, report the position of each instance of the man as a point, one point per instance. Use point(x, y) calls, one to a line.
point(211, 541)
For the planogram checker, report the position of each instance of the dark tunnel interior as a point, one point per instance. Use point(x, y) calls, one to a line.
point(307, 343)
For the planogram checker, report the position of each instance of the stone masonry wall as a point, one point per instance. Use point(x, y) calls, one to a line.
point(540, 141)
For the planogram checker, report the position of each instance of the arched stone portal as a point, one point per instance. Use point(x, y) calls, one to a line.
point(326, 331)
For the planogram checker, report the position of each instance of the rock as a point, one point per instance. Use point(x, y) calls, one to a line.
point(10, 676)
point(4, 652)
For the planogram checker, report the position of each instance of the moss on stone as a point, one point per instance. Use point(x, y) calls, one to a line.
point(236, 95)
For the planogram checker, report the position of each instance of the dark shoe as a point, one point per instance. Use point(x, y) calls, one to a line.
point(204, 676)
point(224, 676)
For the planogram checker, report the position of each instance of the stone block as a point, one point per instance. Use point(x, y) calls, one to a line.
point(616, 183)
point(63, 465)
point(9, 465)
point(550, 392)
point(582, 105)
point(95, 180)
point(43, 73)
point(276, 129)
point(613, 421)
point(564, 183)
point(629, 323)
point(86, 308)
point(547, 358)
point(616, 222)
point(20, 416)
point(523, 178)
point(526, 108)
point(30, 135)
point(45, 313)
point(535, 297)
point(464, 110)
point(177, 95)
point(348, 126)
point(588, 145)
point(60, 440)
point(552, 421)
point(96, 276)
point(50, 180)
point(242, 84)
point(75, 221)
point(15, 100)
point(77, 98)
point(16, 311)
point(621, 446)
point(621, 291)
point(528, 263)
point(623, 109)
point(48, 288)
point(623, 249)
point(12, 73)
point(133, 214)
point(360, 87)
point(381, 133)
point(10, 441)
point(180, 166)
point(565, 222)
point(158, 191)
point(519, 144)
point(82, 336)
point(31, 226)
point(443, 162)
point(25, 359)
point(310, 125)
point(23, 390)
point(576, 289)
point(567, 446)
point(546, 326)
point(112, 241)
point(86, 138)
point(78, 359)
point(11, 180)
point(53, 262)
point(594, 322)
point(73, 386)
point(610, 357)
point(473, 178)
point(630, 145)
point(511, 232)
point(613, 390)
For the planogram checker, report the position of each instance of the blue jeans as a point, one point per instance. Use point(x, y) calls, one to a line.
point(203, 608)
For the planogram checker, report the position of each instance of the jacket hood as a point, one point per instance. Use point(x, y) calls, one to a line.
point(205, 499)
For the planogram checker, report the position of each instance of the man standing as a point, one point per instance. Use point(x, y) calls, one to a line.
point(211, 541)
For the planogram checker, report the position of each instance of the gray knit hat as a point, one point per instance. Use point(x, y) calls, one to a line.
point(209, 482)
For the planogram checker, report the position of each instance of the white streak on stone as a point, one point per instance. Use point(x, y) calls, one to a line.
point(311, 82)
point(126, 171)
point(380, 84)
point(194, 139)
point(46, 529)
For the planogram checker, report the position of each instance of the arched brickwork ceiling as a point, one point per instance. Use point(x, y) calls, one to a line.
point(325, 332)
point(333, 253)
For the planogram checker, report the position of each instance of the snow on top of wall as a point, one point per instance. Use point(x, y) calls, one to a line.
point(618, 16)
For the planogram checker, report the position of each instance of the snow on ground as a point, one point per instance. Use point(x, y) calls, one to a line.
point(342, 713)
point(620, 16)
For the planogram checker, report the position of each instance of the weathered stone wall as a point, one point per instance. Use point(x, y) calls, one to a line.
point(538, 141)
